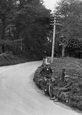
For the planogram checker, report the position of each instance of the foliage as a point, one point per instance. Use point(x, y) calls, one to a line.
point(70, 17)
point(31, 26)
point(10, 59)
point(6, 7)
point(70, 91)
point(26, 21)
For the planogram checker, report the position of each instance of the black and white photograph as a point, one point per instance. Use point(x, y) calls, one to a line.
point(40, 57)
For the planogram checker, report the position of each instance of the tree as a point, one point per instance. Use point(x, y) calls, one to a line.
point(24, 20)
point(32, 25)
point(5, 16)
point(70, 14)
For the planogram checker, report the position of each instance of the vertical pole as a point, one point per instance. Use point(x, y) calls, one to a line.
point(53, 41)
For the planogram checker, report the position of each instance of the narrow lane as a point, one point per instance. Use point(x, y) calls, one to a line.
point(20, 96)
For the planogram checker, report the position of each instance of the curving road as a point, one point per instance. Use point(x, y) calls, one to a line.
point(20, 96)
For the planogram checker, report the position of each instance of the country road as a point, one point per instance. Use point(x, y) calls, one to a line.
point(20, 96)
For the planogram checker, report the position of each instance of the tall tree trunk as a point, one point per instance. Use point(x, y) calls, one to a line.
point(63, 51)
point(3, 33)
point(17, 29)
point(21, 45)
point(17, 35)
point(9, 33)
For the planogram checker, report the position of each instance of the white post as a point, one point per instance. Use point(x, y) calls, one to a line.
point(45, 60)
point(53, 41)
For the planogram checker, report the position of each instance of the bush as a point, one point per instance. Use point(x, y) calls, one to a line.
point(10, 59)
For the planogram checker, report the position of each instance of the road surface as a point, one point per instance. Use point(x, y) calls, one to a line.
point(20, 96)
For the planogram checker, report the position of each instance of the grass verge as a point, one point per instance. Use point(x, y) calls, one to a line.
point(69, 91)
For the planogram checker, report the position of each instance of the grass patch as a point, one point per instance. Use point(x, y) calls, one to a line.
point(69, 91)
point(73, 66)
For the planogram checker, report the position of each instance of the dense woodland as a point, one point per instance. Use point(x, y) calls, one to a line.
point(69, 32)
point(26, 28)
